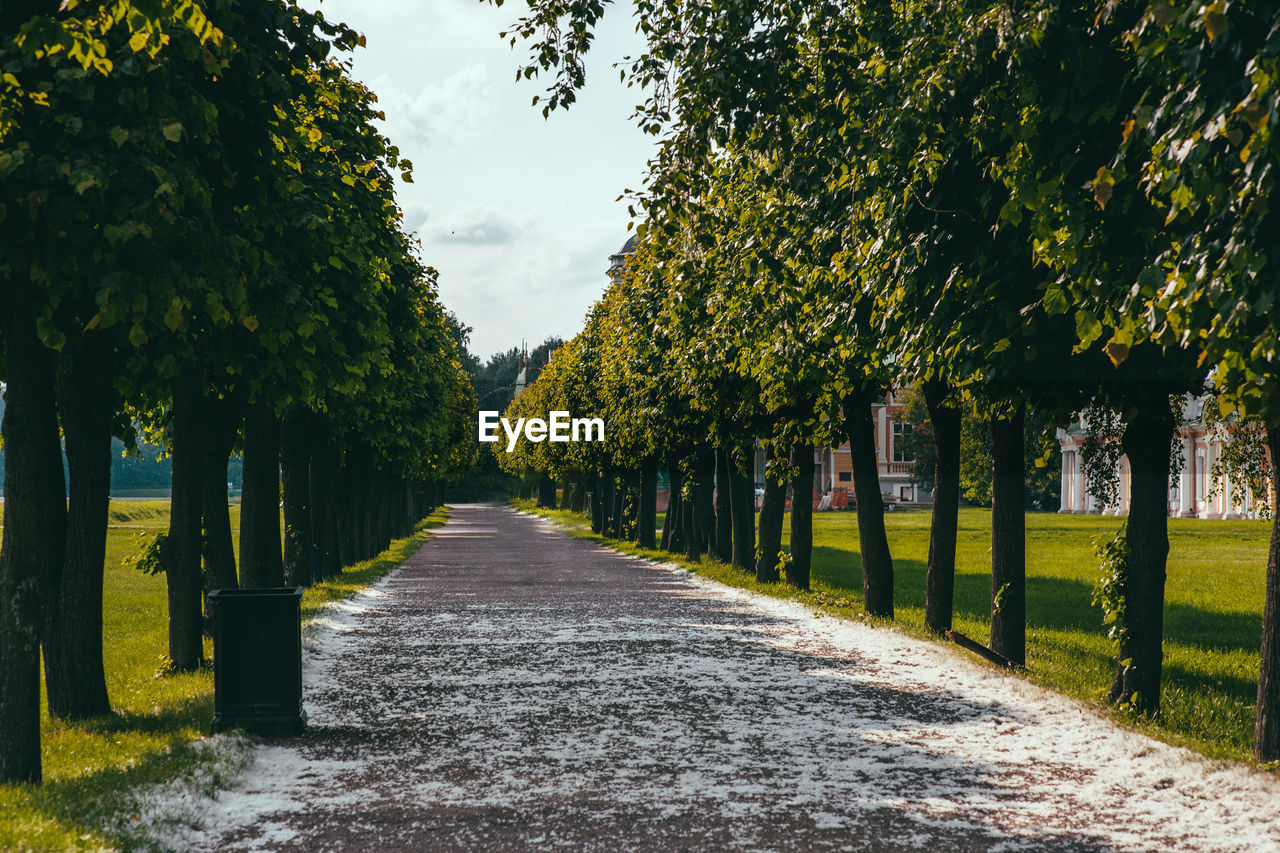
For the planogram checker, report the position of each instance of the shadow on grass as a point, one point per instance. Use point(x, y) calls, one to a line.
point(1055, 604)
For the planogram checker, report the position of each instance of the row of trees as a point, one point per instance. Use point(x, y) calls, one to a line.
point(201, 243)
point(1036, 204)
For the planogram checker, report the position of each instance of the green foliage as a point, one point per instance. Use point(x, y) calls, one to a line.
point(149, 554)
point(1108, 592)
point(1244, 457)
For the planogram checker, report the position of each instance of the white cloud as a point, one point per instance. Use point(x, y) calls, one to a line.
point(517, 213)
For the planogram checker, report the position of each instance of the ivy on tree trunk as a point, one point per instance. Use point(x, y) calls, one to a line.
point(1147, 434)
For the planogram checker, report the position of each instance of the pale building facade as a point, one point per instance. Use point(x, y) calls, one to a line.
point(833, 466)
point(1198, 494)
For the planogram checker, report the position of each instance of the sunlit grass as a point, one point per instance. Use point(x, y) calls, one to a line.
point(90, 767)
point(1213, 609)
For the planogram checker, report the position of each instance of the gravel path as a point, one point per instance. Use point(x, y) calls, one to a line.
point(511, 687)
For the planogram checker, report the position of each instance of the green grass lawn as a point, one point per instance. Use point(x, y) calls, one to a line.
point(1213, 609)
point(89, 768)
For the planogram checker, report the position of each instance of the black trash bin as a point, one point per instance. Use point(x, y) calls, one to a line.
point(257, 660)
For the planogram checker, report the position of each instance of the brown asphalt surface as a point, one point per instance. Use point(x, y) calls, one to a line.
point(511, 687)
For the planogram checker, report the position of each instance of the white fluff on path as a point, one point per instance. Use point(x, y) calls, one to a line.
point(556, 694)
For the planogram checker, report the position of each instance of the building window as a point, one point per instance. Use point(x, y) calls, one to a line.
point(905, 494)
point(845, 476)
point(901, 438)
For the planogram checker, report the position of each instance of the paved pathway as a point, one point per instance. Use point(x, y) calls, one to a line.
point(510, 687)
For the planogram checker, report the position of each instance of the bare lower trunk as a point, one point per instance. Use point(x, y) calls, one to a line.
point(671, 520)
point(742, 495)
point(546, 492)
point(182, 548)
point(801, 517)
point(771, 512)
point(295, 467)
point(647, 505)
point(724, 512)
point(34, 532)
point(873, 543)
point(1266, 740)
point(1146, 442)
point(222, 425)
point(261, 562)
point(1008, 539)
point(941, 578)
point(75, 681)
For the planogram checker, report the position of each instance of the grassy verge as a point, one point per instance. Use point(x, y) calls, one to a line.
point(92, 768)
point(1213, 607)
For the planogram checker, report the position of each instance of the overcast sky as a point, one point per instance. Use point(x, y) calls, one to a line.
point(517, 213)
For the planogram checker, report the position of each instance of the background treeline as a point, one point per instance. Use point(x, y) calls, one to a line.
point(494, 381)
point(202, 246)
point(1036, 206)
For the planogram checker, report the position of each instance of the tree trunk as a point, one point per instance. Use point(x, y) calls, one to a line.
point(772, 509)
point(566, 496)
point(546, 492)
point(35, 518)
point(1145, 441)
point(704, 509)
point(801, 517)
point(597, 505)
point(1266, 736)
point(261, 563)
point(75, 681)
point(182, 548)
point(689, 529)
point(607, 488)
point(222, 422)
point(724, 511)
point(295, 466)
point(671, 519)
point(940, 580)
point(1008, 538)
point(742, 498)
point(619, 514)
point(647, 504)
point(324, 510)
point(873, 543)
point(579, 497)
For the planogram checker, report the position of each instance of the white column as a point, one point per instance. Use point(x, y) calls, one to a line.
point(1123, 509)
point(1228, 498)
point(1077, 483)
point(1187, 484)
point(1210, 500)
point(1064, 503)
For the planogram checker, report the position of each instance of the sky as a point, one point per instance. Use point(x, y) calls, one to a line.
point(516, 212)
